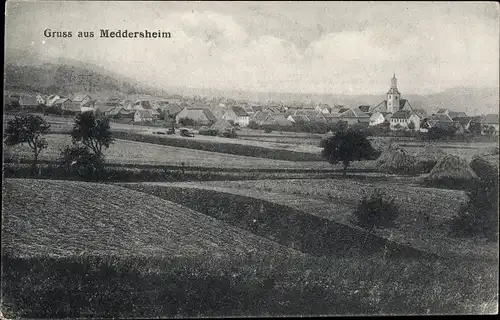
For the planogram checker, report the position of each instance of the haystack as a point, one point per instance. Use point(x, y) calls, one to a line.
point(428, 156)
point(488, 151)
point(397, 160)
point(430, 153)
point(484, 169)
point(381, 144)
point(451, 169)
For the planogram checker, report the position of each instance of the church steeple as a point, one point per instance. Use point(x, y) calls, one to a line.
point(393, 96)
point(394, 81)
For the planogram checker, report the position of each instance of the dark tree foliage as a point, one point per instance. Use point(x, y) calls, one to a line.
point(489, 130)
point(93, 131)
point(479, 215)
point(437, 133)
point(78, 160)
point(187, 122)
point(411, 125)
point(28, 129)
point(346, 146)
point(376, 211)
point(475, 128)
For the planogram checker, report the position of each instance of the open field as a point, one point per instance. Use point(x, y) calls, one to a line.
point(132, 152)
point(273, 216)
point(38, 220)
point(114, 252)
point(421, 224)
point(296, 145)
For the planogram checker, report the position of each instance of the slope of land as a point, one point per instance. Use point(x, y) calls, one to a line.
point(133, 152)
point(421, 224)
point(62, 218)
point(311, 226)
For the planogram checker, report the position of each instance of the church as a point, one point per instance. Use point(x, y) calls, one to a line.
point(395, 107)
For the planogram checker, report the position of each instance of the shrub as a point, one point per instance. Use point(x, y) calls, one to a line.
point(479, 216)
point(79, 161)
point(376, 211)
point(347, 146)
point(28, 129)
point(268, 130)
point(187, 122)
point(208, 132)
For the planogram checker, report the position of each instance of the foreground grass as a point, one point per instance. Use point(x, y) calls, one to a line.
point(89, 286)
point(423, 222)
point(147, 152)
point(61, 218)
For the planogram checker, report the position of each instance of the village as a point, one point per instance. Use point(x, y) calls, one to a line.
point(259, 159)
point(395, 113)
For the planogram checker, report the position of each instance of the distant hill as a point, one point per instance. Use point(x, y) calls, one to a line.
point(66, 79)
point(26, 71)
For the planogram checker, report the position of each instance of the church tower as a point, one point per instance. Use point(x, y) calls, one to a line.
point(393, 96)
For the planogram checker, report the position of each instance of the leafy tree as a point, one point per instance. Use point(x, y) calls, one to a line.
point(78, 160)
point(411, 125)
point(28, 129)
point(376, 211)
point(347, 146)
point(187, 122)
point(479, 215)
point(475, 128)
point(489, 130)
point(253, 125)
point(437, 132)
point(397, 126)
point(340, 126)
point(93, 131)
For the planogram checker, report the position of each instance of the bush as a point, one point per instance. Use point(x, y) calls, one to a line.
point(479, 216)
point(79, 161)
point(187, 122)
point(268, 130)
point(208, 132)
point(376, 211)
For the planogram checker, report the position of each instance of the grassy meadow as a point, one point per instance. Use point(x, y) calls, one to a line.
point(254, 226)
point(114, 252)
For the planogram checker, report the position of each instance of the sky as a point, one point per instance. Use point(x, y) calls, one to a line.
point(299, 47)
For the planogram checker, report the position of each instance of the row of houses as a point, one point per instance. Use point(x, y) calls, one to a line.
point(395, 112)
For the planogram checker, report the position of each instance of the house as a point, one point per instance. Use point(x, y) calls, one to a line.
point(200, 115)
point(260, 116)
point(490, 120)
point(221, 125)
point(456, 114)
point(364, 108)
point(113, 102)
point(49, 102)
point(394, 103)
point(88, 106)
point(402, 119)
point(377, 118)
point(298, 118)
point(464, 121)
point(28, 102)
point(81, 98)
point(331, 118)
point(71, 106)
point(40, 99)
point(277, 119)
point(238, 115)
point(121, 112)
point(173, 109)
point(353, 116)
point(143, 116)
point(251, 110)
point(63, 103)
